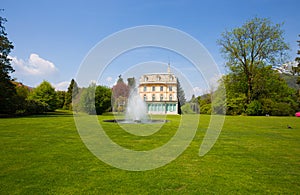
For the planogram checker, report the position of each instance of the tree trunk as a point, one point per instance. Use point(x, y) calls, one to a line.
point(249, 90)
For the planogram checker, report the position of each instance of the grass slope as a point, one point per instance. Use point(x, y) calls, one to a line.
point(44, 154)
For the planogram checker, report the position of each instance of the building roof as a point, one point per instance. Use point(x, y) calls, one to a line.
point(158, 78)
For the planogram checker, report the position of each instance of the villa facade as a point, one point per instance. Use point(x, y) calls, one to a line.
point(159, 91)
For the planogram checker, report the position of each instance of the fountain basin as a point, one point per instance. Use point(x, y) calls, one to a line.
point(124, 121)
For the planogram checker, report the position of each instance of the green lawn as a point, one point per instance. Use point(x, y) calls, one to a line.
point(44, 154)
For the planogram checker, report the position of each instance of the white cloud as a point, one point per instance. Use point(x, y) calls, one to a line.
point(213, 85)
point(109, 79)
point(34, 66)
point(62, 86)
point(199, 91)
point(214, 82)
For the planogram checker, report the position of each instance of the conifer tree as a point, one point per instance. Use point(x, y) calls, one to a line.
point(7, 88)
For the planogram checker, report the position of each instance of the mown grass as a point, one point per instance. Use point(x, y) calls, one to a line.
point(44, 154)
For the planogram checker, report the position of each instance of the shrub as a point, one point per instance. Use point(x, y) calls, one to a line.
point(186, 109)
point(35, 107)
point(254, 108)
point(281, 109)
point(205, 109)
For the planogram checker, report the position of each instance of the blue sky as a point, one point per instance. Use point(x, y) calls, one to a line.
point(52, 38)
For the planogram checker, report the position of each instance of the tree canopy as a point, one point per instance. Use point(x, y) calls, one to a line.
point(71, 93)
point(249, 48)
point(102, 99)
point(46, 94)
point(7, 88)
point(252, 86)
point(95, 99)
point(297, 59)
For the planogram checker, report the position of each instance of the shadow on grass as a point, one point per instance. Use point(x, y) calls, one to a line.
point(57, 113)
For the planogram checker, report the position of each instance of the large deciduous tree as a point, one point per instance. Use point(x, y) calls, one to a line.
point(7, 88)
point(46, 94)
point(256, 44)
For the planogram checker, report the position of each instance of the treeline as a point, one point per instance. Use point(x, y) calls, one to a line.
point(277, 98)
point(26, 101)
point(94, 99)
point(252, 86)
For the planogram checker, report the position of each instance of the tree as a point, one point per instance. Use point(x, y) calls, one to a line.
point(131, 83)
point(95, 99)
point(180, 93)
point(120, 89)
point(298, 53)
point(22, 94)
point(187, 109)
point(102, 99)
point(7, 88)
point(87, 99)
point(180, 96)
point(271, 95)
point(120, 93)
point(45, 93)
point(71, 93)
point(194, 104)
point(249, 48)
point(61, 98)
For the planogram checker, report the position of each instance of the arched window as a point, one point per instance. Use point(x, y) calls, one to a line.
point(161, 97)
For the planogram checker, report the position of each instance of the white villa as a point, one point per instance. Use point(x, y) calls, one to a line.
point(159, 91)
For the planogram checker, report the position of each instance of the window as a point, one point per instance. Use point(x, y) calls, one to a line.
point(159, 108)
point(161, 97)
point(170, 88)
point(153, 88)
point(168, 107)
point(145, 97)
point(145, 88)
point(145, 79)
point(170, 98)
point(153, 97)
point(161, 88)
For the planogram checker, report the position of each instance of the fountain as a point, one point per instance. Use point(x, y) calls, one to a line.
point(136, 111)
